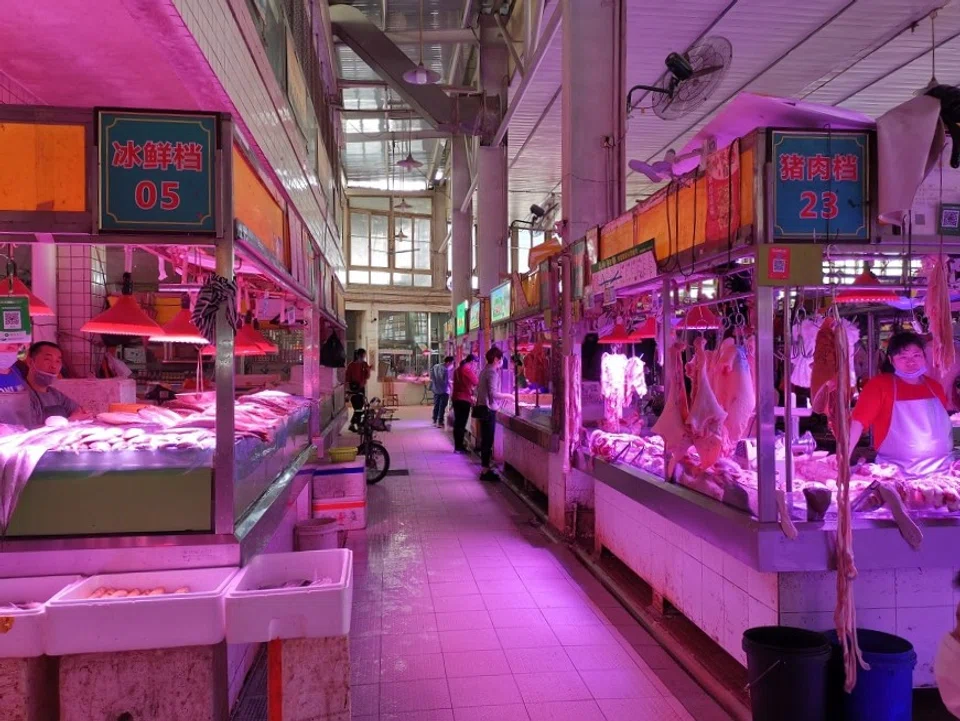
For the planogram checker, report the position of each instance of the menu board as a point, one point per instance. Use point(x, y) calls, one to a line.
point(578, 252)
point(462, 318)
point(474, 315)
point(500, 303)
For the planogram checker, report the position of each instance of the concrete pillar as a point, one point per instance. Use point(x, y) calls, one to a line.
point(437, 236)
point(593, 188)
point(461, 236)
point(593, 114)
point(43, 280)
point(492, 223)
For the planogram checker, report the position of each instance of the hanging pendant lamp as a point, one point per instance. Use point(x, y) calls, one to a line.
point(13, 286)
point(403, 205)
point(409, 162)
point(124, 317)
point(421, 75)
point(618, 335)
point(700, 318)
point(644, 331)
point(862, 292)
point(181, 329)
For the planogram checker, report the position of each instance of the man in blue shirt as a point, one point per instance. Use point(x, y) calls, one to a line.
point(38, 400)
point(441, 383)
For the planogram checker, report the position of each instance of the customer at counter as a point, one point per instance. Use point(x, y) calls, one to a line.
point(39, 400)
point(906, 411)
point(488, 393)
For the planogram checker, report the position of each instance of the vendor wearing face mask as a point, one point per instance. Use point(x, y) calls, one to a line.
point(41, 401)
point(906, 411)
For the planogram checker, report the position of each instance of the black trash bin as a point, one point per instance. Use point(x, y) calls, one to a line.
point(787, 673)
point(883, 693)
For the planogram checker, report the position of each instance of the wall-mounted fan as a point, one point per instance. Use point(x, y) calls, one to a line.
point(690, 78)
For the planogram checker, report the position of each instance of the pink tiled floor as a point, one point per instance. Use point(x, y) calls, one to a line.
point(463, 611)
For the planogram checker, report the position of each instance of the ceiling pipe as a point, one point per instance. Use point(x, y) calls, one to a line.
point(440, 36)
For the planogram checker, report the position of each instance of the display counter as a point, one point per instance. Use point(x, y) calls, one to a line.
point(726, 571)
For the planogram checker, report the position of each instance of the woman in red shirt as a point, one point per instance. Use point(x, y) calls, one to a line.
point(464, 387)
point(356, 377)
point(906, 411)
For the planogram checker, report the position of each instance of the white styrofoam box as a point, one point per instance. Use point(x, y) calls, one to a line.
point(340, 480)
point(25, 628)
point(349, 513)
point(257, 616)
point(78, 624)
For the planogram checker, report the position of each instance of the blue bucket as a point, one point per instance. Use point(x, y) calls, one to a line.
point(885, 692)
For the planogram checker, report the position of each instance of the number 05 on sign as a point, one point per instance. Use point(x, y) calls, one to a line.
point(157, 172)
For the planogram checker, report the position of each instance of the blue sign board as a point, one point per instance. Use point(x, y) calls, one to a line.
point(158, 172)
point(821, 186)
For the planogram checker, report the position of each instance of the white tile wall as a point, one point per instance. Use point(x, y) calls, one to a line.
point(81, 290)
point(262, 106)
point(917, 604)
point(718, 593)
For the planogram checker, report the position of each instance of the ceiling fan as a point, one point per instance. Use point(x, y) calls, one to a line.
point(661, 170)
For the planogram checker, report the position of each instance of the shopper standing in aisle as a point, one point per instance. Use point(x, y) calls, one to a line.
point(488, 393)
point(464, 386)
point(357, 375)
point(441, 379)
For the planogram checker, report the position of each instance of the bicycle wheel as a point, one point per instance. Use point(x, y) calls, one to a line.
point(378, 462)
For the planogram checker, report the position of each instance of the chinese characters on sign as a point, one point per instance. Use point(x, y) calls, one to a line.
point(157, 172)
point(821, 185)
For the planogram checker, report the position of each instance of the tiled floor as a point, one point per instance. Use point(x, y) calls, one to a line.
point(463, 611)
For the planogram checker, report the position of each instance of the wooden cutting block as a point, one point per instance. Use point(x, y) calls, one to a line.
point(175, 684)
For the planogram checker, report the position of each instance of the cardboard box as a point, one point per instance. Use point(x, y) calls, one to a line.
point(350, 514)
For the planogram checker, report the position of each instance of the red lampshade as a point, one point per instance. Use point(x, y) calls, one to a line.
point(647, 329)
point(700, 318)
point(12, 285)
point(180, 330)
point(247, 342)
point(617, 335)
point(860, 294)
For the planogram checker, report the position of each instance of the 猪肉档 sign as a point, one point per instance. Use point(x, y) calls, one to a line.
point(158, 172)
point(821, 185)
point(15, 326)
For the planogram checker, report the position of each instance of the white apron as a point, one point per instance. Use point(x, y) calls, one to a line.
point(920, 440)
point(946, 668)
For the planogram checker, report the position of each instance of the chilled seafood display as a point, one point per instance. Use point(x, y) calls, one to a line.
point(187, 423)
point(116, 593)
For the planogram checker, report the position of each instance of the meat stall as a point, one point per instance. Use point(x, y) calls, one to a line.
point(724, 492)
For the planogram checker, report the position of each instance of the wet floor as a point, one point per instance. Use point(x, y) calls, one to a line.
point(464, 611)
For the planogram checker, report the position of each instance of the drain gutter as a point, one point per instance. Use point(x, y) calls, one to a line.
point(687, 660)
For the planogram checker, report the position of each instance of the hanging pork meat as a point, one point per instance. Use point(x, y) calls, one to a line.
point(613, 369)
point(937, 307)
point(706, 413)
point(673, 424)
point(735, 390)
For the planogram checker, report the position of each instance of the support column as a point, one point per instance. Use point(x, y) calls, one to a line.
point(43, 280)
point(492, 222)
point(438, 236)
point(593, 188)
point(461, 234)
point(593, 114)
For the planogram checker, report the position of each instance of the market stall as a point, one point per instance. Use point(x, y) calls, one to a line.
point(199, 468)
point(719, 488)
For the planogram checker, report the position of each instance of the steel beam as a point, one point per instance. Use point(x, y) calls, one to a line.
point(395, 135)
point(390, 63)
point(441, 36)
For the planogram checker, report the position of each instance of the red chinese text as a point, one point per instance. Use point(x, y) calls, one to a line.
point(158, 156)
point(841, 168)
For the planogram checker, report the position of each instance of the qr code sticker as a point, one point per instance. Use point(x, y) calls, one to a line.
point(11, 320)
point(779, 265)
point(950, 219)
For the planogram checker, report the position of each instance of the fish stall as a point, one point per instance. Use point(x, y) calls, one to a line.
point(726, 330)
point(200, 468)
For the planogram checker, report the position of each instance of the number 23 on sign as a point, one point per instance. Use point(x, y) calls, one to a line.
point(817, 206)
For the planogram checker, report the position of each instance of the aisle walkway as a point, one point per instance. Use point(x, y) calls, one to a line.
point(463, 610)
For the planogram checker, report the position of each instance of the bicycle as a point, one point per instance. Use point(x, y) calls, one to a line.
point(376, 419)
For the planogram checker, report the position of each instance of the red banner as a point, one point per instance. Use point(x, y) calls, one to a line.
point(723, 193)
